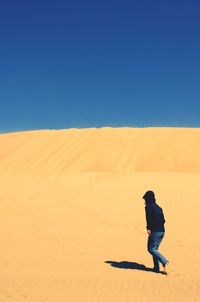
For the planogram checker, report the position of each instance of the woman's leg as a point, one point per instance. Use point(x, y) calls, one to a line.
point(156, 266)
point(154, 241)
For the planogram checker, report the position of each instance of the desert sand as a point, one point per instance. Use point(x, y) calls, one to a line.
point(73, 220)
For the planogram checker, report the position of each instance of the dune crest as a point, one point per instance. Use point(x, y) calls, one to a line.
point(101, 149)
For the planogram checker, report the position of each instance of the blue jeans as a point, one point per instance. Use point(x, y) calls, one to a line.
point(154, 240)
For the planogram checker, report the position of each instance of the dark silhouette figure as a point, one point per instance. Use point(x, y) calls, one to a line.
point(155, 229)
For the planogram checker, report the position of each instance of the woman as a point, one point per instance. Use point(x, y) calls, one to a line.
point(156, 231)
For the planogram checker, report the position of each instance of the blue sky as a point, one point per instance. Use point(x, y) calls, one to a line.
point(99, 63)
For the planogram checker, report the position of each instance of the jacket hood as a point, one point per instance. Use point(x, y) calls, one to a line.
point(149, 197)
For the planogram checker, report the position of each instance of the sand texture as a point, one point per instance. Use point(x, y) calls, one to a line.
point(73, 221)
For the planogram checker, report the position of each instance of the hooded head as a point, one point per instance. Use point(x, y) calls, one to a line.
point(149, 197)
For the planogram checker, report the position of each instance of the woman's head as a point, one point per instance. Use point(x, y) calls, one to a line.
point(149, 197)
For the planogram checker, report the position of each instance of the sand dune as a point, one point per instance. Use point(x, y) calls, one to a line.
point(104, 149)
point(72, 216)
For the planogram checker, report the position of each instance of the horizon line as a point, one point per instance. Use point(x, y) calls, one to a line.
point(95, 127)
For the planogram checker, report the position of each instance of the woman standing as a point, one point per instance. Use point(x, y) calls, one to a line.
point(156, 231)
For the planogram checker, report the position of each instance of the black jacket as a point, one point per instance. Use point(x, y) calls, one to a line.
point(154, 217)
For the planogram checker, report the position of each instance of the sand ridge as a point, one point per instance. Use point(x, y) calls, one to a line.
point(101, 149)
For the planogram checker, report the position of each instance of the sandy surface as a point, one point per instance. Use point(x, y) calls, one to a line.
point(73, 221)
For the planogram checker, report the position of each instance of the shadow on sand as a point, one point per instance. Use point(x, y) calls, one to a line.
point(129, 265)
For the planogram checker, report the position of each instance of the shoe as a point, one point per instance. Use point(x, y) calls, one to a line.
point(165, 270)
point(155, 270)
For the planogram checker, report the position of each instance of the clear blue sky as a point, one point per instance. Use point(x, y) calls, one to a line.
point(88, 63)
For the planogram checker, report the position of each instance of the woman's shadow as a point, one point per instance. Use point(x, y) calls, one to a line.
point(129, 265)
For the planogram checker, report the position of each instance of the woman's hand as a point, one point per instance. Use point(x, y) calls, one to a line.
point(149, 232)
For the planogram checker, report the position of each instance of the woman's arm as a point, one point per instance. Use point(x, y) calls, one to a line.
point(148, 219)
